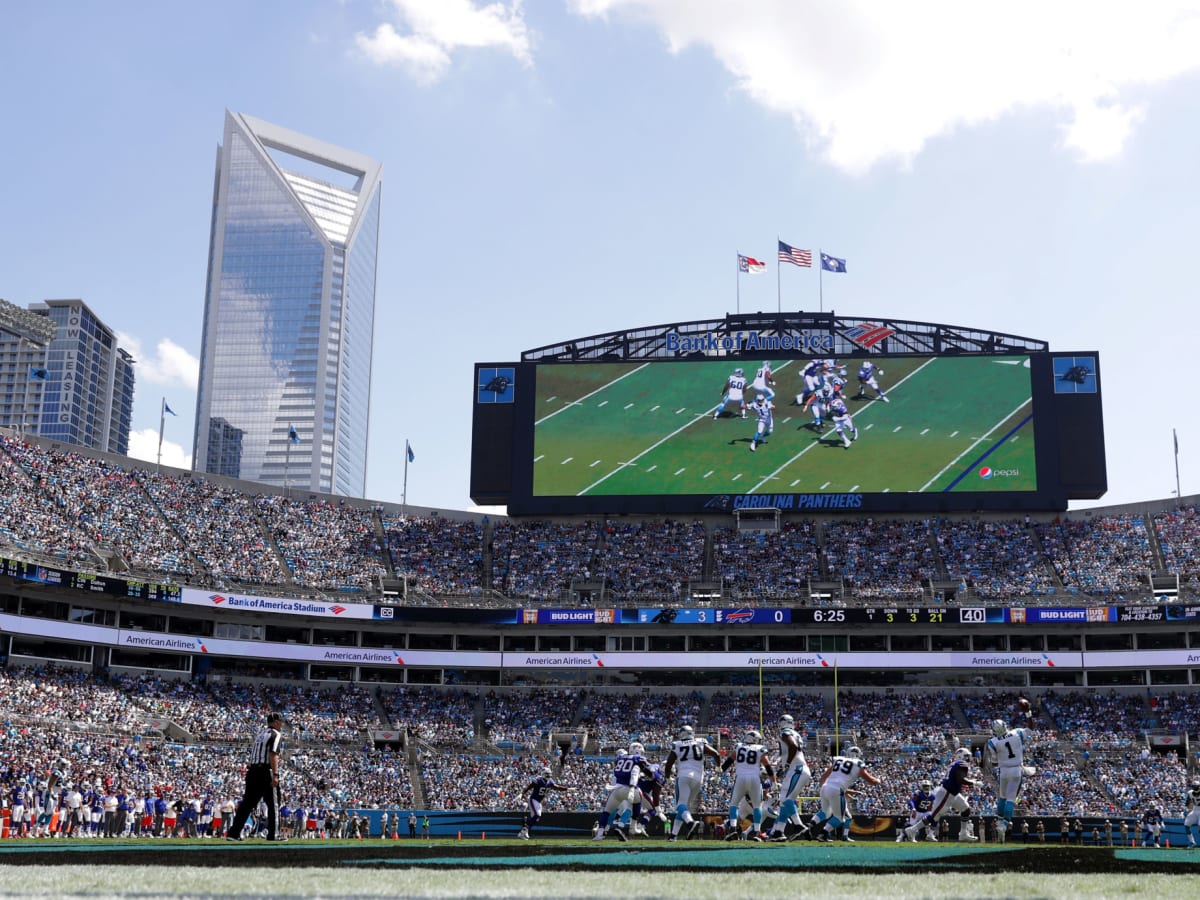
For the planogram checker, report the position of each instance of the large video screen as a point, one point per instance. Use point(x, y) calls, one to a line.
point(925, 425)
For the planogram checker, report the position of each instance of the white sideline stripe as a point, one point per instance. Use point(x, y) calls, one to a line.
point(788, 462)
point(976, 443)
point(592, 394)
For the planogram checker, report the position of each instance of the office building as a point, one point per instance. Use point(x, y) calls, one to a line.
point(285, 361)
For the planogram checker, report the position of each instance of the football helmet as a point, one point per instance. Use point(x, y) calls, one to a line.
point(752, 737)
point(738, 372)
point(963, 753)
point(546, 773)
point(686, 732)
point(622, 752)
point(999, 727)
point(852, 752)
point(927, 785)
point(786, 721)
point(637, 749)
point(760, 399)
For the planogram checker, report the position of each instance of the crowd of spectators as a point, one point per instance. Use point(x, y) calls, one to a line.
point(1179, 538)
point(540, 559)
point(881, 559)
point(439, 555)
point(654, 559)
point(1098, 721)
point(528, 719)
point(440, 718)
point(326, 545)
point(1103, 555)
point(767, 565)
point(995, 559)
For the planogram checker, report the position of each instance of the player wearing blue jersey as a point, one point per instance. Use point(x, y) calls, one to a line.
point(733, 392)
point(764, 411)
point(867, 378)
point(537, 790)
point(1152, 822)
point(650, 784)
point(626, 771)
point(843, 423)
point(919, 806)
point(949, 798)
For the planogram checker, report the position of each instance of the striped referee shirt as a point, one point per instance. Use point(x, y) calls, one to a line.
point(266, 742)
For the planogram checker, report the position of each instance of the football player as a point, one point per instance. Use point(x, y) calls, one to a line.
point(867, 373)
point(949, 798)
point(733, 392)
point(626, 771)
point(748, 760)
point(795, 777)
point(537, 791)
point(764, 382)
point(689, 753)
point(1191, 822)
point(919, 805)
point(842, 421)
point(843, 772)
point(764, 410)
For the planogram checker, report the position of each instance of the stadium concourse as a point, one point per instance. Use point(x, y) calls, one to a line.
point(161, 730)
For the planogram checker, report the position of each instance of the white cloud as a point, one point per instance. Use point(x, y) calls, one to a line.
point(432, 30)
point(866, 81)
point(169, 365)
point(144, 445)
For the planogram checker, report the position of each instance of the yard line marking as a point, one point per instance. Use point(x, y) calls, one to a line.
point(853, 489)
point(567, 460)
point(652, 468)
point(954, 434)
point(658, 443)
point(796, 456)
point(794, 483)
point(628, 405)
point(592, 394)
point(551, 399)
point(655, 407)
point(975, 444)
point(539, 457)
point(926, 431)
point(593, 465)
point(601, 403)
point(897, 428)
point(681, 471)
point(681, 409)
point(709, 472)
point(737, 476)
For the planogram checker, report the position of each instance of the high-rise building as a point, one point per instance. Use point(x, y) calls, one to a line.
point(289, 311)
point(62, 376)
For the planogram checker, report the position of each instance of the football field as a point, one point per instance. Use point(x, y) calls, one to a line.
point(630, 429)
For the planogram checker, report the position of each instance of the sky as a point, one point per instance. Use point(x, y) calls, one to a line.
point(562, 168)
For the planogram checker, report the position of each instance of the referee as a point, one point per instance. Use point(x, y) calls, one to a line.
point(262, 780)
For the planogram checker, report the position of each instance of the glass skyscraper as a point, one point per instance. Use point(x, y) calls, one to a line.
point(63, 377)
point(289, 311)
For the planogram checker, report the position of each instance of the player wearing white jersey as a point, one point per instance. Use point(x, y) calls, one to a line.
point(1191, 821)
point(843, 772)
point(764, 411)
point(748, 760)
point(795, 777)
point(688, 752)
point(1006, 751)
point(764, 382)
point(733, 392)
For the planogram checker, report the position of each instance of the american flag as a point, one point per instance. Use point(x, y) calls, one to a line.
point(795, 255)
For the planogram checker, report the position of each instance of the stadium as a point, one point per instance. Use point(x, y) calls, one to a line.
point(895, 576)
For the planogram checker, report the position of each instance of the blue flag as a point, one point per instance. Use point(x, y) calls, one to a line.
point(832, 263)
point(292, 435)
point(167, 408)
point(411, 456)
point(37, 373)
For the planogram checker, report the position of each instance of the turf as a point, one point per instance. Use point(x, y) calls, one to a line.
point(626, 429)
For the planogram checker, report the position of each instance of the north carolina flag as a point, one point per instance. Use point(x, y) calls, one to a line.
point(751, 265)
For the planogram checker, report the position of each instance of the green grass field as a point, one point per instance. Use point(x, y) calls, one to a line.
point(633, 429)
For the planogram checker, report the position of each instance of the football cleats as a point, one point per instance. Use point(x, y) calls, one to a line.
point(999, 727)
point(686, 732)
point(752, 737)
point(637, 749)
point(787, 722)
point(852, 752)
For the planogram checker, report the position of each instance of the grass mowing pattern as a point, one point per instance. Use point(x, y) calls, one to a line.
point(626, 429)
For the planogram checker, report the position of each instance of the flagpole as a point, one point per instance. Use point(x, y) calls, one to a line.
point(404, 489)
point(821, 278)
point(737, 269)
point(1178, 496)
point(778, 267)
point(162, 422)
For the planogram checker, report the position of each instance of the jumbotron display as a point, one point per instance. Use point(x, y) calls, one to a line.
point(837, 426)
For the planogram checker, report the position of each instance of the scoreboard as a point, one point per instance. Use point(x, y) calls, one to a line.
point(89, 583)
point(1003, 432)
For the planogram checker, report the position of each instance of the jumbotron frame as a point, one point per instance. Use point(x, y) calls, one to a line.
point(849, 336)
